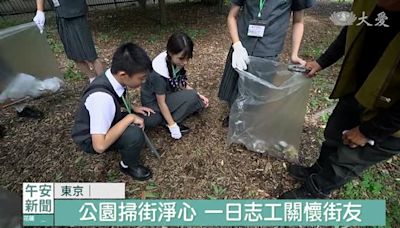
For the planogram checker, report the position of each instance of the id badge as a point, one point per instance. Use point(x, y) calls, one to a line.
point(56, 3)
point(256, 29)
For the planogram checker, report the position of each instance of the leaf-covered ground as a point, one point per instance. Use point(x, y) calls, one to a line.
point(201, 165)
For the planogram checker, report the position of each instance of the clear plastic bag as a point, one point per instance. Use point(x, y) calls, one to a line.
point(25, 85)
point(28, 67)
point(268, 115)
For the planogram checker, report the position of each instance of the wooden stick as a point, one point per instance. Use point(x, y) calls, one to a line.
point(14, 102)
point(152, 148)
point(11, 103)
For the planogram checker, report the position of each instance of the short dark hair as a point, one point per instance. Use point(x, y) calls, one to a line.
point(179, 42)
point(130, 58)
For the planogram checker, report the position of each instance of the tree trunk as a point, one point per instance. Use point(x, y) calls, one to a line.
point(163, 12)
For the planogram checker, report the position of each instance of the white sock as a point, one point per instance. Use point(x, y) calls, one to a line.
point(123, 165)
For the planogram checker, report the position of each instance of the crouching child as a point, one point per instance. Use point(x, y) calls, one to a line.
point(100, 125)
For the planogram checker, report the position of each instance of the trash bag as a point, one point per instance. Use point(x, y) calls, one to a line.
point(268, 114)
point(27, 65)
point(25, 85)
point(24, 50)
point(51, 84)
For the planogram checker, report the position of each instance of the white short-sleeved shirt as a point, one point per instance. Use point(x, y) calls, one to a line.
point(101, 107)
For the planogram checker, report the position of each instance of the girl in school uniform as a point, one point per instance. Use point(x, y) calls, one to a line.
point(75, 33)
point(166, 90)
point(258, 28)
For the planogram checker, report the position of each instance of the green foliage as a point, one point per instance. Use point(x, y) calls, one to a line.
point(128, 36)
point(251, 194)
point(71, 74)
point(195, 33)
point(374, 185)
point(80, 162)
point(320, 98)
point(325, 117)
point(151, 191)
point(103, 37)
point(55, 45)
point(217, 191)
point(113, 175)
point(313, 51)
point(153, 38)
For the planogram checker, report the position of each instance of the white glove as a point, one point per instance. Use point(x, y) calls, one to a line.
point(40, 19)
point(240, 58)
point(175, 131)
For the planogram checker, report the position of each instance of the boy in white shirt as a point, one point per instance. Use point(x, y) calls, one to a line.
point(99, 123)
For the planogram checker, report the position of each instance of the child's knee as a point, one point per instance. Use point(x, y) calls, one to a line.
point(153, 120)
point(191, 96)
point(195, 101)
point(133, 135)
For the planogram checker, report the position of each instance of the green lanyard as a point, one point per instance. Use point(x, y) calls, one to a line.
point(127, 105)
point(261, 5)
point(175, 71)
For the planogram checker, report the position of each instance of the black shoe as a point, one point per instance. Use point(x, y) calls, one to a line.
point(225, 122)
point(138, 172)
point(300, 173)
point(30, 112)
point(182, 127)
point(309, 190)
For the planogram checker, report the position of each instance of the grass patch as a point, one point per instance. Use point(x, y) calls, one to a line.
point(251, 194)
point(325, 117)
point(71, 74)
point(196, 33)
point(103, 37)
point(376, 185)
point(217, 192)
point(152, 191)
point(321, 89)
point(113, 175)
point(128, 36)
point(154, 39)
point(55, 45)
point(313, 52)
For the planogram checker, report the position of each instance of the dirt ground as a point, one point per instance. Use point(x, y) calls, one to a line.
point(201, 165)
